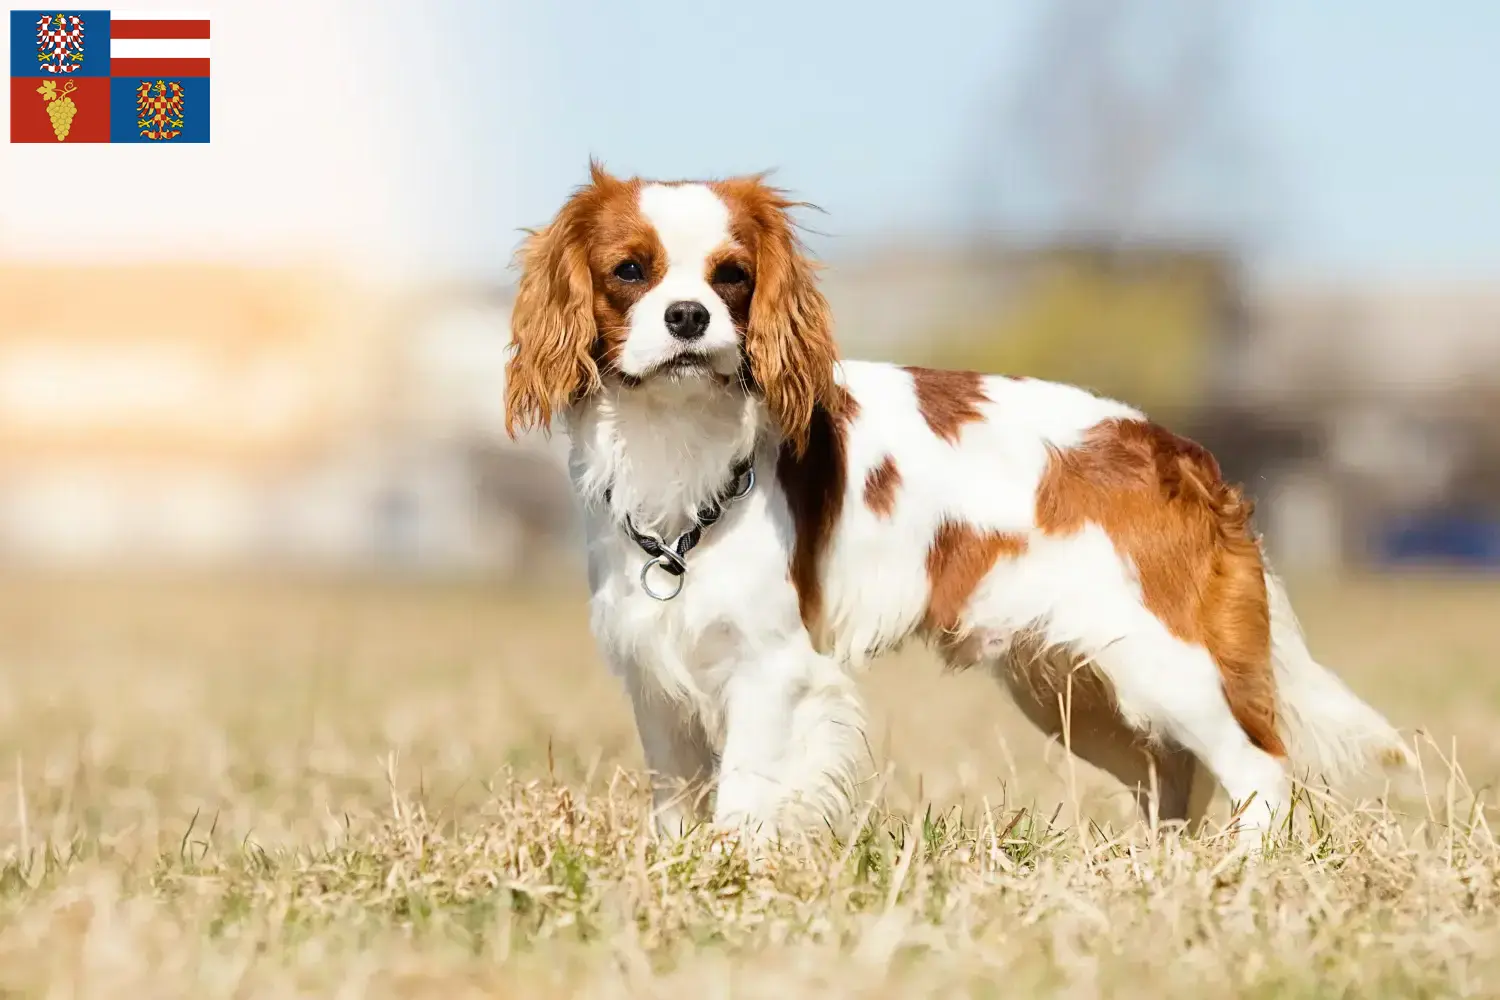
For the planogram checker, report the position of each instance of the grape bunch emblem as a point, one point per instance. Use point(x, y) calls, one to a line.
point(60, 107)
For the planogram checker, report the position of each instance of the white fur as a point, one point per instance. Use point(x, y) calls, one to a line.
point(1327, 728)
point(691, 223)
point(728, 664)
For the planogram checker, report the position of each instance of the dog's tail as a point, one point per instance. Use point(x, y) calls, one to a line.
point(1328, 730)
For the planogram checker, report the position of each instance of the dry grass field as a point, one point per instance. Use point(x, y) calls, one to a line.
point(258, 789)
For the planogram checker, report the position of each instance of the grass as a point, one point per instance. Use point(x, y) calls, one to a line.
point(261, 788)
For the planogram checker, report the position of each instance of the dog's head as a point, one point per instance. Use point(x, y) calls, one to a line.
point(639, 281)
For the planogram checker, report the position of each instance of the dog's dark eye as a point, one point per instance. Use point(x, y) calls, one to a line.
point(730, 274)
point(630, 271)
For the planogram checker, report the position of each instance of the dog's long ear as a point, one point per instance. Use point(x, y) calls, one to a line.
point(789, 337)
point(552, 322)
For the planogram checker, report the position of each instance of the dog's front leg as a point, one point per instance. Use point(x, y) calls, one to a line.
point(677, 751)
point(793, 742)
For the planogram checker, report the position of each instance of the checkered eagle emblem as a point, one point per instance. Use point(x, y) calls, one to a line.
point(159, 109)
point(59, 42)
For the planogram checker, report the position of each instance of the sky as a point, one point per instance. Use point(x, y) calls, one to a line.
point(421, 136)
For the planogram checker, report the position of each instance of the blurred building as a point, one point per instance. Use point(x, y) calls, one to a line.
point(1365, 417)
point(173, 415)
point(464, 494)
point(184, 414)
point(1137, 320)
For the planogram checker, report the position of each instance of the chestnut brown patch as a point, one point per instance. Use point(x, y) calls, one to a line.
point(571, 314)
point(814, 479)
point(1164, 504)
point(620, 233)
point(730, 271)
point(880, 487)
point(957, 560)
point(788, 328)
point(948, 400)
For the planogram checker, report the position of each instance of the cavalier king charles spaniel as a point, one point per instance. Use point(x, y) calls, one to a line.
point(763, 517)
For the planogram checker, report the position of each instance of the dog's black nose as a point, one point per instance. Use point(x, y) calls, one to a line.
point(687, 320)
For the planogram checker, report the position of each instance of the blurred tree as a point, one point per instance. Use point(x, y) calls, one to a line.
point(1123, 125)
point(1117, 156)
point(1132, 325)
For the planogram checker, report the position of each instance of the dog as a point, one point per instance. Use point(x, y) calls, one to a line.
point(763, 518)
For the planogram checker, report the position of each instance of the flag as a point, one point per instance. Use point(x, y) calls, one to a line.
point(109, 76)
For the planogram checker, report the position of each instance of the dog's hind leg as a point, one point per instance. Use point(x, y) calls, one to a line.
point(1184, 789)
point(1173, 690)
point(1072, 704)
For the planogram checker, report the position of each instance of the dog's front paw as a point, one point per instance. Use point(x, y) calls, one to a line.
point(755, 843)
point(744, 830)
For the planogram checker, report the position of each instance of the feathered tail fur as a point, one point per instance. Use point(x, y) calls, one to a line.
point(1330, 733)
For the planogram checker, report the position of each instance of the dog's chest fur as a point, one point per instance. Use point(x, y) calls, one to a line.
point(659, 466)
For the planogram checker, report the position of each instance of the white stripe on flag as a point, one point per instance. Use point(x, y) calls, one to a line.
point(157, 15)
point(158, 48)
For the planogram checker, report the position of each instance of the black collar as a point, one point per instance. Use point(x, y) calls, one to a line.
point(673, 558)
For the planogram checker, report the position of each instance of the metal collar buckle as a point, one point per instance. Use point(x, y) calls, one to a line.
point(672, 559)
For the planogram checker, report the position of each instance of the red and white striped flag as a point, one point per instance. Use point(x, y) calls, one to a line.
point(154, 43)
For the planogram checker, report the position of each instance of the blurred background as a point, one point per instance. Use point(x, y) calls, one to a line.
point(1273, 227)
point(259, 522)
